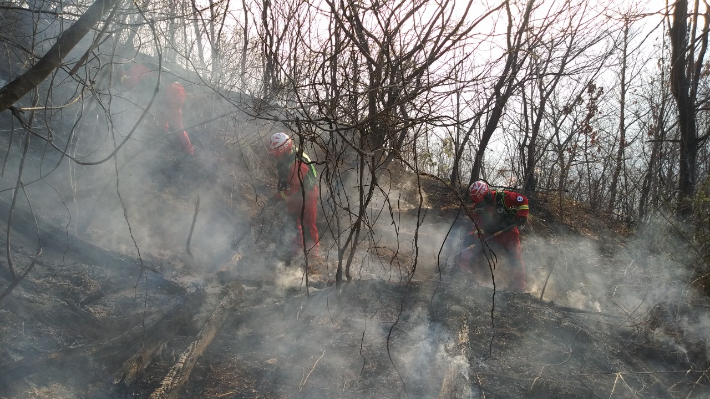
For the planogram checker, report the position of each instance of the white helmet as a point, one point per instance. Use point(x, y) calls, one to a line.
point(478, 190)
point(279, 144)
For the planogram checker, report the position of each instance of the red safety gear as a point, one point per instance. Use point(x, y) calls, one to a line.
point(169, 104)
point(497, 217)
point(279, 144)
point(171, 113)
point(297, 171)
point(478, 190)
point(134, 76)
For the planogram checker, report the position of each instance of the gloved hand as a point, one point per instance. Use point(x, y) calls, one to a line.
point(275, 198)
point(121, 73)
point(521, 223)
point(283, 185)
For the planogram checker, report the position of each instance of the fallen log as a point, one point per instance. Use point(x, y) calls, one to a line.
point(179, 373)
point(165, 329)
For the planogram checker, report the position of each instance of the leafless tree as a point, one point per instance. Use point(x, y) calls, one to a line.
point(688, 48)
point(517, 36)
point(563, 56)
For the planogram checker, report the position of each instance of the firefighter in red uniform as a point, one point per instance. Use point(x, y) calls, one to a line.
point(297, 179)
point(498, 215)
point(169, 102)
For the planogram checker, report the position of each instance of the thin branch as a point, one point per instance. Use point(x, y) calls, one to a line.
point(55, 13)
point(303, 383)
point(192, 228)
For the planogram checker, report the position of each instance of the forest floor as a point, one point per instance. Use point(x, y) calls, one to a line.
point(112, 311)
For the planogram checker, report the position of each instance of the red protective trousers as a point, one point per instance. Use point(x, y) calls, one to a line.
point(170, 111)
point(304, 217)
point(509, 242)
point(506, 247)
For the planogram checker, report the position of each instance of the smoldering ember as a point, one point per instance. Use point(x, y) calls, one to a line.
point(378, 199)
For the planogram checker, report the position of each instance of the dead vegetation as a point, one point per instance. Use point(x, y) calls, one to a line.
point(100, 322)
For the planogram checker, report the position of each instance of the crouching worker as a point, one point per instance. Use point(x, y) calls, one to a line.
point(168, 102)
point(498, 215)
point(297, 181)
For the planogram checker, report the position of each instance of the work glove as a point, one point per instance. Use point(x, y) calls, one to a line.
point(283, 185)
point(276, 198)
point(121, 73)
point(521, 223)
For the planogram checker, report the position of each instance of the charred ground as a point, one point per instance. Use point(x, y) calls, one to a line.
point(609, 313)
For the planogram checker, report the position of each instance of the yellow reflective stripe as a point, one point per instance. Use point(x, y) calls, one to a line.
point(283, 195)
point(523, 207)
point(310, 164)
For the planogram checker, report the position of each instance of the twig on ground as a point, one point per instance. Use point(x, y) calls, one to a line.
point(192, 228)
point(549, 273)
point(303, 383)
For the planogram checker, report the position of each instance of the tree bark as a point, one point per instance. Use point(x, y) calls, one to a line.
point(685, 72)
point(622, 123)
point(198, 34)
point(245, 47)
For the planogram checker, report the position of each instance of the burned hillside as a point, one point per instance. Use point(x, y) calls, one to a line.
point(95, 319)
point(258, 199)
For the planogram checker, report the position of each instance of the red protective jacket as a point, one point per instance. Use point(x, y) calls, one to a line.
point(498, 216)
point(169, 102)
point(499, 210)
point(294, 172)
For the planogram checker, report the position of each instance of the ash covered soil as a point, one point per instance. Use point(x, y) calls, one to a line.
point(116, 311)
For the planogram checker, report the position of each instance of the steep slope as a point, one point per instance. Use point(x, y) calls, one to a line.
point(109, 312)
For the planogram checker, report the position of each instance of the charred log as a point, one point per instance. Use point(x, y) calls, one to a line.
point(165, 329)
point(180, 372)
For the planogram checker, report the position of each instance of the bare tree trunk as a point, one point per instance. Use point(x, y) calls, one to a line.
point(16, 89)
point(198, 34)
point(504, 87)
point(685, 74)
point(217, 21)
point(622, 122)
point(455, 178)
point(268, 51)
point(170, 50)
point(648, 199)
point(245, 47)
